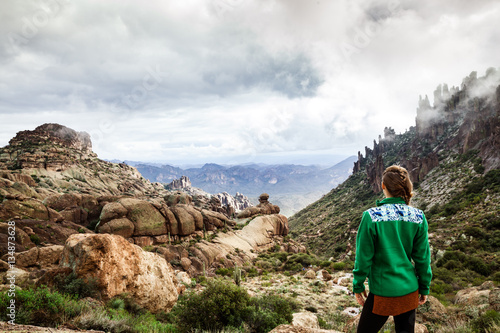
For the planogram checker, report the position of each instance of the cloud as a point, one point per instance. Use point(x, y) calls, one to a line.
point(197, 79)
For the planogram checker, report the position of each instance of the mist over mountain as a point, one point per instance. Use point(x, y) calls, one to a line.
point(453, 157)
point(290, 186)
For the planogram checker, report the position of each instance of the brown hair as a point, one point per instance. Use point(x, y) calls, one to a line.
point(397, 182)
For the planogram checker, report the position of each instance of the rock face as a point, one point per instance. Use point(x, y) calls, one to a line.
point(239, 202)
point(465, 118)
point(121, 267)
point(221, 202)
point(180, 183)
point(42, 257)
point(52, 139)
point(264, 207)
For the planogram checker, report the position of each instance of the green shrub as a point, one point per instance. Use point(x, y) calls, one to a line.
point(74, 286)
point(485, 321)
point(339, 266)
point(304, 259)
point(221, 304)
point(35, 239)
point(42, 307)
point(222, 271)
point(270, 311)
point(252, 272)
point(224, 304)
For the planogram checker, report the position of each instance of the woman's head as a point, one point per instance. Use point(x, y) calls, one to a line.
point(397, 182)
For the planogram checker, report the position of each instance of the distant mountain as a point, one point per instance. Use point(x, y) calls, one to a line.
point(291, 187)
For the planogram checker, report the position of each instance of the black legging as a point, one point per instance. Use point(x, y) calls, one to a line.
point(370, 322)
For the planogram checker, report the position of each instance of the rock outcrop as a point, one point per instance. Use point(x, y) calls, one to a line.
point(467, 118)
point(120, 267)
point(264, 207)
point(178, 184)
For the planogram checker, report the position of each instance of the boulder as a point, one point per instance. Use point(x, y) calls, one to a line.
point(326, 276)
point(122, 226)
point(21, 277)
point(147, 220)
point(75, 214)
point(183, 277)
point(143, 241)
point(120, 267)
point(305, 319)
point(38, 256)
point(264, 207)
point(22, 239)
point(185, 221)
point(197, 216)
point(185, 263)
point(472, 296)
point(112, 211)
point(178, 197)
point(432, 310)
point(213, 220)
point(27, 208)
point(4, 266)
point(61, 202)
point(310, 274)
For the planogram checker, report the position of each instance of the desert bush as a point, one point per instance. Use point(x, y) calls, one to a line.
point(304, 259)
point(270, 311)
point(221, 303)
point(222, 271)
point(35, 239)
point(72, 285)
point(42, 307)
point(338, 266)
point(224, 304)
point(485, 321)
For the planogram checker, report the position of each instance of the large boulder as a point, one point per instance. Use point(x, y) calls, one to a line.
point(38, 256)
point(132, 217)
point(26, 208)
point(22, 239)
point(264, 208)
point(112, 211)
point(147, 220)
point(60, 202)
point(185, 222)
point(305, 319)
point(472, 296)
point(122, 226)
point(121, 267)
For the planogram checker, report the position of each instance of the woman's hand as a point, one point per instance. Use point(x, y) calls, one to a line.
point(361, 297)
point(422, 299)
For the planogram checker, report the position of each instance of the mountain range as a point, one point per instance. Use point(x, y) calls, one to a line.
point(291, 187)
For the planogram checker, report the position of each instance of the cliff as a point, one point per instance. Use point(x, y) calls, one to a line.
point(461, 119)
point(452, 154)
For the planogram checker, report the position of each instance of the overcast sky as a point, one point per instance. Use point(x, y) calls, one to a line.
point(234, 81)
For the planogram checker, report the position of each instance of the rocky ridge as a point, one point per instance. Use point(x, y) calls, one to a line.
point(231, 204)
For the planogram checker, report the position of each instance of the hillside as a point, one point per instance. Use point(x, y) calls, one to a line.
point(453, 155)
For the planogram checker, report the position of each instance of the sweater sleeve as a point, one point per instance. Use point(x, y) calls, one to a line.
point(422, 257)
point(365, 249)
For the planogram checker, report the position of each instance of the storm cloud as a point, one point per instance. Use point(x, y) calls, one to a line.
point(234, 80)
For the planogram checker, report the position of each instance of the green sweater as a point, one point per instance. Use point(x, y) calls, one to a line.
point(390, 236)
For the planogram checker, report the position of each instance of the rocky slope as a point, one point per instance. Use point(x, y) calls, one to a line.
point(453, 155)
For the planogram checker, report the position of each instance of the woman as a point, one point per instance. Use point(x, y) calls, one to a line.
point(390, 236)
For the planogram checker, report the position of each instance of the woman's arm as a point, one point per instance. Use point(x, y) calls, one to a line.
point(364, 253)
point(422, 257)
